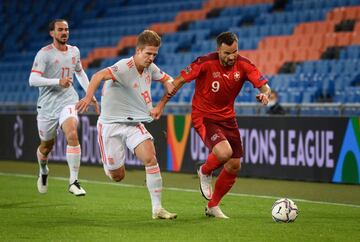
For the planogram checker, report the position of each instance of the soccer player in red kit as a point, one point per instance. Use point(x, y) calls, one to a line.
point(219, 77)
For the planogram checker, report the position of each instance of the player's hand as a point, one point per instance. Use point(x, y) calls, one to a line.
point(96, 105)
point(83, 105)
point(263, 98)
point(156, 112)
point(65, 82)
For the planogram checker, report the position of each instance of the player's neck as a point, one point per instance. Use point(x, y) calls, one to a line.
point(139, 68)
point(61, 47)
point(225, 66)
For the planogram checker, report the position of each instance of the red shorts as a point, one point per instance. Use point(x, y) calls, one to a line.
point(213, 131)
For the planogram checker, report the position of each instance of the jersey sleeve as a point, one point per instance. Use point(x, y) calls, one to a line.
point(78, 66)
point(192, 71)
point(116, 70)
point(39, 64)
point(255, 76)
point(157, 74)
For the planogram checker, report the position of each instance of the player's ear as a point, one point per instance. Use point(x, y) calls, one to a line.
point(137, 50)
point(51, 33)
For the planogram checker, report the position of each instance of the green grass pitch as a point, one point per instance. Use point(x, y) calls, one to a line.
point(121, 212)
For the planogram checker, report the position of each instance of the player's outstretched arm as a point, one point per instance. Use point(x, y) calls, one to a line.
point(84, 83)
point(263, 96)
point(83, 104)
point(158, 110)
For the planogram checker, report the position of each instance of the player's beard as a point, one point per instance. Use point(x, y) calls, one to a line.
point(227, 63)
point(147, 64)
point(60, 41)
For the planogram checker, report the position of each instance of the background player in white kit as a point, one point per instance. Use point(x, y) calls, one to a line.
point(125, 103)
point(52, 71)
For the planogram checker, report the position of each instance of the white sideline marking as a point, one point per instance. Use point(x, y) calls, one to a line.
point(184, 190)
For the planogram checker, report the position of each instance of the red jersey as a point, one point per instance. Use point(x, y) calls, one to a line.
point(217, 86)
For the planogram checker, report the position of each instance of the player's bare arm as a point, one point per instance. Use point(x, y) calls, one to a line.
point(158, 110)
point(167, 82)
point(263, 96)
point(83, 104)
point(84, 83)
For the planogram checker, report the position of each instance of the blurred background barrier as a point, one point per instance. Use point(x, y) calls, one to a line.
point(323, 149)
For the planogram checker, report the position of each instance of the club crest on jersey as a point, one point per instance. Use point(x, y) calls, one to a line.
point(135, 85)
point(56, 61)
point(237, 76)
point(188, 70)
point(114, 68)
point(216, 74)
point(73, 60)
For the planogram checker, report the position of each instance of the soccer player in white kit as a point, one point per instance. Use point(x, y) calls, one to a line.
point(53, 69)
point(125, 104)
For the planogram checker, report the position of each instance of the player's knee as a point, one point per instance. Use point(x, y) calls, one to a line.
point(45, 148)
point(117, 178)
point(150, 160)
point(117, 175)
point(233, 166)
point(236, 167)
point(225, 154)
point(72, 137)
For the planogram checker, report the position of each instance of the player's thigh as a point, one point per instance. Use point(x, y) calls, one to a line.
point(69, 127)
point(47, 128)
point(145, 152)
point(140, 142)
point(68, 119)
point(112, 146)
point(223, 150)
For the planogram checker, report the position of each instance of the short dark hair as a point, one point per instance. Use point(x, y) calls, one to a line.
point(149, 38)
point(227, 38)
point(53, 22)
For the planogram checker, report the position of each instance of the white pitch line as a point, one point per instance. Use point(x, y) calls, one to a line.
point(186, 190)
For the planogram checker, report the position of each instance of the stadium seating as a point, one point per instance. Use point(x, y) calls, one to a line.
point(319, 39)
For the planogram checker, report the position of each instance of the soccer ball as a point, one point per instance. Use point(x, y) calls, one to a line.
point(284, 210)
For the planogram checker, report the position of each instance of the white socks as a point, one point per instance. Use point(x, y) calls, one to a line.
point(43, 161)
point(73, 155)
point(154, 185)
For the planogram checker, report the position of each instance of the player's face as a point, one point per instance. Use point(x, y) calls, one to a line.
point(228, 53)
point(147, 55)
point(60, 32)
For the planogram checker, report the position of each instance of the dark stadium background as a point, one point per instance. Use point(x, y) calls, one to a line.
point(308, 49)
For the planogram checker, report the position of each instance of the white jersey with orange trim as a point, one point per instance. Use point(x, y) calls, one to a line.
point(53, 63)
point(127, 98)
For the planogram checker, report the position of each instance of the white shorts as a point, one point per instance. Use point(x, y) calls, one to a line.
point(114, 137)
point(48, 127)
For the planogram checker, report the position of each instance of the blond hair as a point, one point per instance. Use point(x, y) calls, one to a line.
point(148, 38)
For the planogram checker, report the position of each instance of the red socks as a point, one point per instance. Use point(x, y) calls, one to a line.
point(223, 184)
point(210, 165)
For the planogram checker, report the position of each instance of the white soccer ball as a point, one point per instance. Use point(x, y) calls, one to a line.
point(284, 210)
